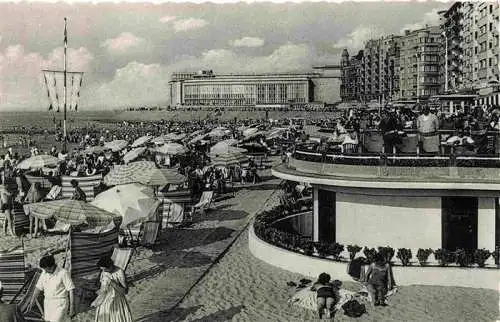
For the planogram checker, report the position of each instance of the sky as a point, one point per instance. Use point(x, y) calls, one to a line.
point(128, 51)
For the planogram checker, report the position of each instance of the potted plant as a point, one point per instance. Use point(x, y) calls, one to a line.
point(464, 258)
point(335, 250)
point(404, 255)
point(353, 250)
point(423, 255)
point(444, 256)
point(387, 252)
point(481, 256)
point(370, 254)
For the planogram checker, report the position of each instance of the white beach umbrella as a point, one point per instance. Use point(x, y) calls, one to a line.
point(133, 154)
point(250, 131)
point(38, 162)
point(116, 145)
point(141, 141)
point(133, 202)
point(172, 149)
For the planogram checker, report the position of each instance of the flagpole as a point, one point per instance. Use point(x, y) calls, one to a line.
point(65, 91)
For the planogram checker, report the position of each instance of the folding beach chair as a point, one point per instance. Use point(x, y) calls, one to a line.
point(18, 284)
point(121, 257)
point(172, 213)
point(150, 231)
point(203, 205)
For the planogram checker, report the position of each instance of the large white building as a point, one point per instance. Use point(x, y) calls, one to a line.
point(207, 89)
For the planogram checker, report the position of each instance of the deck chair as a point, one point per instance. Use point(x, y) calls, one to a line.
point(150, 233)
point(172, 213)
point(19, 284)
point(204, 204)
point(121, 257)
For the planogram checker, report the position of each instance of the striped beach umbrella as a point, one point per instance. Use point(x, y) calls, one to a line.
point(229, 159)
point(229, 142)
point(159, 140)
point(198, 138)
point(172, 149)
point(116, 145)
point(123, 174)
point(141, 141)
point(73, 212)
point(222, 148)
point(161, 177)
point(175, 137)
point(133, 154)
point(38, 162)
point(95, 149)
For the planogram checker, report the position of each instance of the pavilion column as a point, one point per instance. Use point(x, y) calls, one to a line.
point(486, 225)
point(315, 215)
point(451, 107)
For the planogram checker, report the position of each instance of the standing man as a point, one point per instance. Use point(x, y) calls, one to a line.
point(57, 286)
point(428, 125)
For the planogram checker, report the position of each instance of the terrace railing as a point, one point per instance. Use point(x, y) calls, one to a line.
point(371, 152)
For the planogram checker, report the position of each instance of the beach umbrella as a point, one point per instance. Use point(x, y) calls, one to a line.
point(133, 202)
point(73, 212)
point(133, 154)
point(250, 131)
point(160, 140)
point(220, 131)
point(38, 162)
point(116, 145)
point(141, 141)
point(275, 133)
point(175, 137)
point(160, 177)
point(172, 149)
point(221, 148)
point(229, 142)
point(123, 174)
point(197, 138)
point(229, 159)
point(95, 149)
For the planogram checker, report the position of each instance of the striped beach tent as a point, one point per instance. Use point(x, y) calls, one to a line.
point(86, 183)
point(12, 272)
point(85, 250)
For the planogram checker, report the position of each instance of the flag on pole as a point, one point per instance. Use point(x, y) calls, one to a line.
point(78, 92)
point(57, 95)
point(48, 91)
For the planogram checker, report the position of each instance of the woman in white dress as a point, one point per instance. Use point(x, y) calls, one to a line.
point(111, 304)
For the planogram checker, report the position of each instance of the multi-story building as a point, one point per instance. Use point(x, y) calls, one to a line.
point(208, 89)
point(480, 31)
point(453, 50)
point(373, 73)
point(420, 71)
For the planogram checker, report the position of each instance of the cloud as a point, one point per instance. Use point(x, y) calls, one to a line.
point(167, 19)
point(247, 42)
point(122, 43)
point(188, 24)
point(430, 18)
point(21, 84)
point(357, 38)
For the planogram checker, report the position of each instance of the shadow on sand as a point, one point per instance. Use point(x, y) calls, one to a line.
point(175, 315)
point(218, 214)
point(222, 315)
point(180, 239)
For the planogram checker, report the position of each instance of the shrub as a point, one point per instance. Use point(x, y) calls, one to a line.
point(370, 254)
point(496, 255)
point(444, 256)
point(480, 256)
point(353, 250)
point(387, 252)
point(308, 248)
point(322, 249)
point(336, 249)
point(464, 258)
point(423, 255)
point(404, 255)
point(326, 249)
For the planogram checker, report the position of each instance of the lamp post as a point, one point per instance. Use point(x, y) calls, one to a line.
point(445, 61)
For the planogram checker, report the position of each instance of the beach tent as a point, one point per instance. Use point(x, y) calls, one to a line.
point(87, 184)
point(135, 203)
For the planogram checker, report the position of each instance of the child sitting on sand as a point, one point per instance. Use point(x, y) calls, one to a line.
point(327, 294)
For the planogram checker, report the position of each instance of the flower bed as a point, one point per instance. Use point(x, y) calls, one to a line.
point(265, 230)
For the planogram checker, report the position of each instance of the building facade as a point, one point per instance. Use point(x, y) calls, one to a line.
point(452, 23)
point(372, 74)
point(243, 90)
point(420, 63)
